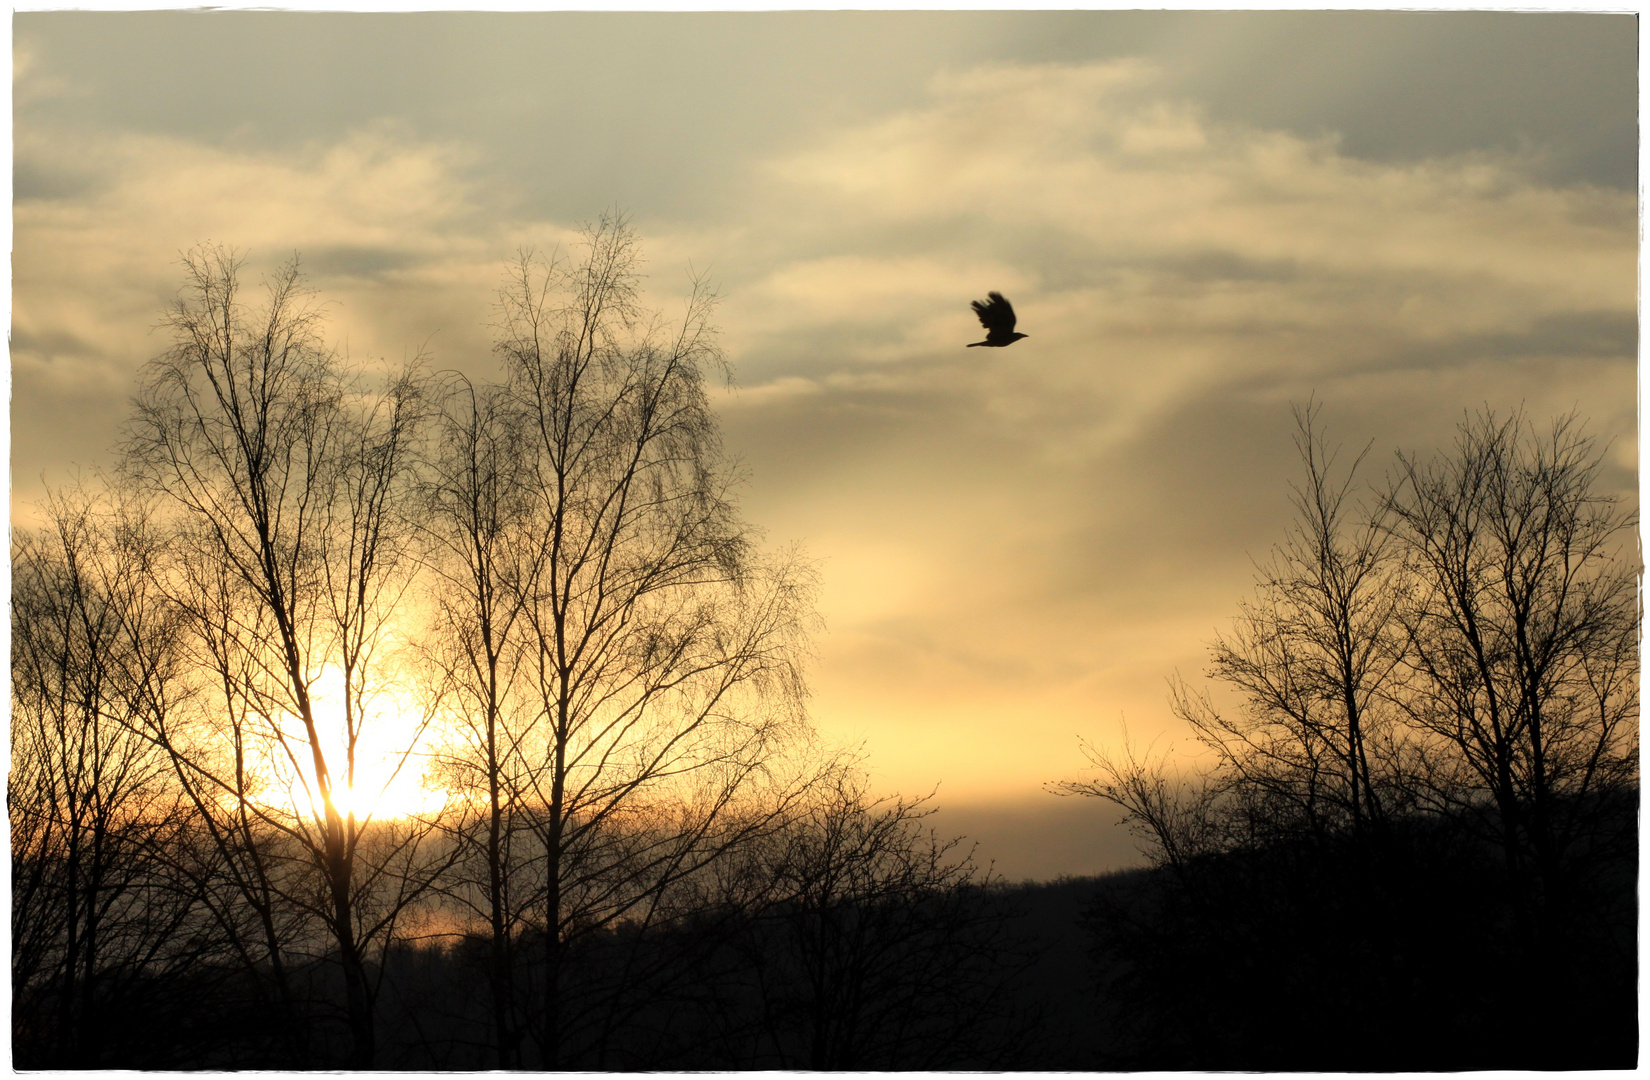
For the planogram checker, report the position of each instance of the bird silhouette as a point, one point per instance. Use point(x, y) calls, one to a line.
point(997, 316)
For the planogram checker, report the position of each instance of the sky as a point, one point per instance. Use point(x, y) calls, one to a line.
point(1202, 219)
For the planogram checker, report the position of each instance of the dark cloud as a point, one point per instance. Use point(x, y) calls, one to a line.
point(33, 179)
point(50, 342)
point(1604, 340)
point(70, 420)
point(1393, 86)
point(1612, 335)
point(359, 262)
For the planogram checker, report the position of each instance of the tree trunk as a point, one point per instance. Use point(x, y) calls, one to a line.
point(357, 992)
point(502, 989)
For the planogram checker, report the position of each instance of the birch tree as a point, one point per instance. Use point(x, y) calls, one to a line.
point(661, 651)
point(286, 475)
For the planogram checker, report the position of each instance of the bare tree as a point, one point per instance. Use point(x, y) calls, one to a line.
point(237, 855)
point(1439, 707)
point(94, 660)
point(1521, 660)
point(661, 652)
point(1311, 656)
point(287, 475)
point(1313, 744)
point(482, 542)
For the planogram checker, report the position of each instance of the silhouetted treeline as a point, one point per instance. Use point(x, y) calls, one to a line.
point(859, 951)
point(852, 938)
point(1389, 954)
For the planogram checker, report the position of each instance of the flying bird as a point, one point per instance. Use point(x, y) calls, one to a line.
point(997, 316)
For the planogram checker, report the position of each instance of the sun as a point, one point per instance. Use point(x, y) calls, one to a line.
point(391, 777)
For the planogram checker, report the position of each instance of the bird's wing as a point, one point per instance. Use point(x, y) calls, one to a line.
point(997, 316)
point(1003, 313)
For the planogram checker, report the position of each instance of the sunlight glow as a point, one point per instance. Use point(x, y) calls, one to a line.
point(391, 777)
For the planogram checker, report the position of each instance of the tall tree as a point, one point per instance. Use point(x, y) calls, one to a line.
point(287, 476)
point(1522, 659)
point(662, 653)
point(482, 541)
